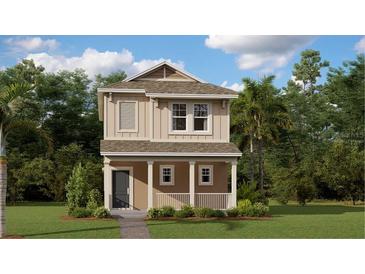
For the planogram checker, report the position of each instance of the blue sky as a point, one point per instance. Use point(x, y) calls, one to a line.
point(222, 60)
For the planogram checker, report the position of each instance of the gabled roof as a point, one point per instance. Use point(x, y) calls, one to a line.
point(160, 65)
point(148, 148)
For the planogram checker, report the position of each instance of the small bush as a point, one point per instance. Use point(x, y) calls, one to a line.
point(153, 213)
point(185, 212)
point(167, 211)
point(259, 209)
point(232, 212)
point(94, 199)
point(101, 212)
point(80, 212)
point(77, 188)
point(203, 212)
point(255, 210)
point(218, 213)
point(242, 204)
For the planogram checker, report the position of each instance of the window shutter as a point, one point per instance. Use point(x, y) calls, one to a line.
point(127, 115)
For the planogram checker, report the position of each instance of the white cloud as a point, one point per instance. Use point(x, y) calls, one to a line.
point(235, 86)
point(264, 53)
point(360, 46)
point(95, 62)
point(31, 44)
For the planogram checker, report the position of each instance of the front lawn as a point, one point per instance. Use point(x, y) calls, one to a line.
point(44, 220)
point(315, 220)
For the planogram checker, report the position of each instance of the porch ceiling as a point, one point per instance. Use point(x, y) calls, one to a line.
point(147, 148)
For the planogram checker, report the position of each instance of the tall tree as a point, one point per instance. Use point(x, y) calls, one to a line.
point(9, 121)
point(260, 115)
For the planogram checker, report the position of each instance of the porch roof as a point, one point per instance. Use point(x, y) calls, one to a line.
point(148, 148)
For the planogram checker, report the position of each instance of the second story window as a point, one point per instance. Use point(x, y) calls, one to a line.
point(179, 117)
point(201, 117)
point(128, 116)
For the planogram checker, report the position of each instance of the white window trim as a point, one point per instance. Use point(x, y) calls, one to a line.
point(186, 131)
point(209, 119)
point(135, 129)
point(190, 119)
point(201, 177)
point(172, 183)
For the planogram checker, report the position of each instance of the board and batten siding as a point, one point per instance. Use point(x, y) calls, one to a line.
point(112, 112)
point(219, 123)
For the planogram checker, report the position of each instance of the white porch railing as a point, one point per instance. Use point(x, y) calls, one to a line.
point(177, 200)
point(213, 200)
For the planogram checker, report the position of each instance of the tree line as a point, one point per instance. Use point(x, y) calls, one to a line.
point(301, 141)
point(305, 140)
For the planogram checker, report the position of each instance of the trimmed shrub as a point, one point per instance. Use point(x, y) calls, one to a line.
point(153, 213)
point(94, 199)
point(185, 212)
point(167, 211)
point(232, 212)
point(255, 210)
point(218, 213)
point(80, 212)
point(203, 212)
point(101, 212)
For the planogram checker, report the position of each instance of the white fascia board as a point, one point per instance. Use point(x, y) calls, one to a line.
point(163, 154)
point(121, 90)
point(193, 96)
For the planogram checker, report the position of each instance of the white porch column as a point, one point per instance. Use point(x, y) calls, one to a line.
point(150, 184)
point(192, 182)
point(107, 184)
point(234, 183)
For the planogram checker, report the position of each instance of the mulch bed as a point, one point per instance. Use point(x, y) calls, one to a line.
point(70, 218)
point(266, 218)
point(13, 237)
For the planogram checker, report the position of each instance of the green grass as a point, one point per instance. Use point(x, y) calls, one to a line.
point(313, 221)
point(44, 221)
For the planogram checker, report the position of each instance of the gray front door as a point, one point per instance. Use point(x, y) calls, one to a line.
point(120, 189)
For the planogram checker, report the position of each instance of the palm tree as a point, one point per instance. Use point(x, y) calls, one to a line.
point(10, 107)
point(260, 115)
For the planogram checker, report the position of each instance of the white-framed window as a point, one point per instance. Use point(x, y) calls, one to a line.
point(167, 176)
point(179, 117)
point(128, 116)
point(205, 175)
point(201, 117)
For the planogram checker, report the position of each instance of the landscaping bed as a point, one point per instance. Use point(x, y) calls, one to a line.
point(242, 218)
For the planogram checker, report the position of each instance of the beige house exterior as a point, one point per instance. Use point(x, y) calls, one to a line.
point(167, 141)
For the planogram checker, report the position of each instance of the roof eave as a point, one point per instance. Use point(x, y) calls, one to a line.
point(169, 154)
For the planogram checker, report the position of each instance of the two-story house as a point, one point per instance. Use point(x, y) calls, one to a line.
point(167, 141)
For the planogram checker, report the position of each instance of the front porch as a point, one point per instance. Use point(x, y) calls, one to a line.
point(173, 181)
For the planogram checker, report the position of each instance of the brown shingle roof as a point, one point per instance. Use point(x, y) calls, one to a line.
point(127, 146)
point(173, 87)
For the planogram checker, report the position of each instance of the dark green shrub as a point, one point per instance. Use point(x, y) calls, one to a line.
point(167, 211)
point(232, 212)
point(101, 212)
point(80, 212)
point(203, 212)
point(186, 211)
point(250, 192)
point(153, 213)
point(94, 199)
point(218, 213)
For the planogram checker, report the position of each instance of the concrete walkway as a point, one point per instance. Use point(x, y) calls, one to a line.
point(132, 224)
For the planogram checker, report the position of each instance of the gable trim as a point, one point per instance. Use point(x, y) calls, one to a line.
point(160, 65)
